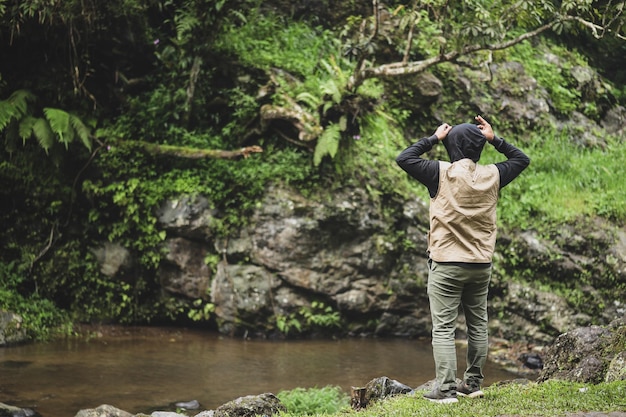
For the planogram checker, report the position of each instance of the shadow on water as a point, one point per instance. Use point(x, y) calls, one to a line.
point(141, 371)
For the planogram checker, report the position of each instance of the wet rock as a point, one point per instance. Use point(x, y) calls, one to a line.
point(615, 121)
point(188, 405)
point(183, 271)
point(11, 331)
point(188, 216)
point(375, 390)
point(250, 406)
point(11, 411)
point(166, 414)
point(585, 354)
point(242, 293)
point(531, 360)
point(104, 410)
point(617, 368)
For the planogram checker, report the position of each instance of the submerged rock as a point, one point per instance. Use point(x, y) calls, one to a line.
point(11, 411)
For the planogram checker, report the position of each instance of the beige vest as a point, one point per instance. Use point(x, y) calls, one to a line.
point(463, 213)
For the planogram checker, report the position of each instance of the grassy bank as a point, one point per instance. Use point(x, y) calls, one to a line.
point(552, 398)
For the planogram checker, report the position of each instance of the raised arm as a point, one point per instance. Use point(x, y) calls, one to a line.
point(424, 170)
point(516, 161)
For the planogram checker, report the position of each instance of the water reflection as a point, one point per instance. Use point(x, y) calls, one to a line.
point(139, 372)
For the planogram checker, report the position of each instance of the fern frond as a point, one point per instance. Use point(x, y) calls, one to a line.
point(68, 137)
point(7, 113)
point(331, 87)
point(43, 133)
point(185, 24)
point(26, 127)
point(327, 144)
point(20, 99)
point(309, 99)
point(15, 107)
point(81, 130)
point(59, 122)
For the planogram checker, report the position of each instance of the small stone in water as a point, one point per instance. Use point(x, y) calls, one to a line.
point(188, 405)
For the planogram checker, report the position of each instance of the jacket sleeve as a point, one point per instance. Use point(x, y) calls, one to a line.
point(516, 161)
point(424, 170)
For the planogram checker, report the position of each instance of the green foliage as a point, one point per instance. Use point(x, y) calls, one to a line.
point(190, 73)
point(201, 310)
point(266, 41)
point(555, 77)
point(18, 121)
point(564, 181)
point(41, 318)
point(314, 401)
point(328, 143)
point(318, 317)
point(134, 202)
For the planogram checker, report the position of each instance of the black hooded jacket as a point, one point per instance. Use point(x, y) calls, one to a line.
point(463, 141)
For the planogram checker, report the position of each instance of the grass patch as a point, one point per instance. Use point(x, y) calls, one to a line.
point(311, 401)
point(552, 398)
point(564, 182)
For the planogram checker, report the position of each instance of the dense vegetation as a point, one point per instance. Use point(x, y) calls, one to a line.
point(96, 96)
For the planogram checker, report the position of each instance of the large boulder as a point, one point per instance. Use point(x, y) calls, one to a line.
point(249, 406)
point(588, 354)
point(375, 390)
point(299, 253)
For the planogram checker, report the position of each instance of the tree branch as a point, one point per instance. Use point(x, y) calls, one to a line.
point(194, 153)
point(415, 67)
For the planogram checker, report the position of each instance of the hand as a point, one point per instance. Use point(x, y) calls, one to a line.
point(442, 131)
point(485, 128)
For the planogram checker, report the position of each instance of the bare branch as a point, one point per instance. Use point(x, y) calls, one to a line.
point(597, 31)
point(186, 152)
point(594, 28)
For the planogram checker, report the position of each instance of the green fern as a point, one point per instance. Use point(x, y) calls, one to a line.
point(308, 99)
point(59, 121)
point(15, 107)
point(81, 131)
point(26, 127)
point(43, 134)
point(18, 122)
point(327, 144)
point(67, 126)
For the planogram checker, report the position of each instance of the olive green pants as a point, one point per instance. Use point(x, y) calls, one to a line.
point(451, 287)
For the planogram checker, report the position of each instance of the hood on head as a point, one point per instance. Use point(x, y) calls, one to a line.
point(464, 141)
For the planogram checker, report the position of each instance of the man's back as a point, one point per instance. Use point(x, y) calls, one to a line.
point(463, 213)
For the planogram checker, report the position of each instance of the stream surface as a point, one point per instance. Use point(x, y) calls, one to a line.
point(142, 370)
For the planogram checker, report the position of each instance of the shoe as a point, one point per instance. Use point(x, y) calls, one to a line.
point(441, 397)
point(469, 390)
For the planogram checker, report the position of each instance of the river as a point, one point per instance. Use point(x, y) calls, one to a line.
point(139, 370)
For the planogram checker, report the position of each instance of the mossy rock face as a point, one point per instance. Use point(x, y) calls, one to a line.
point(588, 354)
point(617, 368)
point(252, 405)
